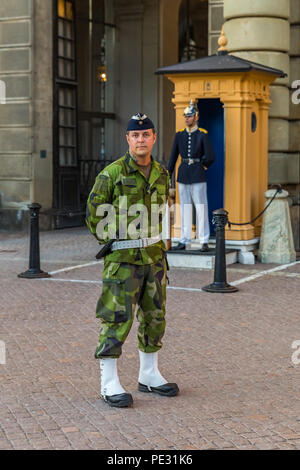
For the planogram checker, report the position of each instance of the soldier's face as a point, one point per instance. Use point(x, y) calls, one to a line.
point(190, 121)
point(141, 142)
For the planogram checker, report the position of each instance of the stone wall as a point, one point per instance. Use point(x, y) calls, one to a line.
point(136, 59)
point(146, 37)
point(266, 32)
point(26, 117)
point(16, 117)
point(293, 164)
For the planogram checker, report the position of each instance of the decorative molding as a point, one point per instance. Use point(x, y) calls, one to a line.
point(229, 89)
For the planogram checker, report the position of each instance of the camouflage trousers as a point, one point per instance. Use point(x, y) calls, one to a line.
point(124, 287)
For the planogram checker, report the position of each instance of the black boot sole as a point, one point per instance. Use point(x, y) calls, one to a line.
point(123, 400)
point(167, 390)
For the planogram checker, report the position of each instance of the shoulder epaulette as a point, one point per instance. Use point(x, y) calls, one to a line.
point(161, 167)
point(164, 170)
point(181, 130)
point(203, 130)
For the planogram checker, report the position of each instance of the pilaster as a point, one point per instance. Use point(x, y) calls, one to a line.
point(16, 114)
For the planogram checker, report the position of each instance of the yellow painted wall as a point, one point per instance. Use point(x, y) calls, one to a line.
point(246, 152)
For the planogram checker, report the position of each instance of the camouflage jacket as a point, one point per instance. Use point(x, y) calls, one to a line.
point(124, 178)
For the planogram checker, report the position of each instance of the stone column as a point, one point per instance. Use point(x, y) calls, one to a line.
point(276, 243)
point(110, 103)
point(293, 161)
point(26, 118)
point(128, 60)
point(168, 55)
point(136, 57)
point(42, 156)
point(16, 121)
point(259, 31)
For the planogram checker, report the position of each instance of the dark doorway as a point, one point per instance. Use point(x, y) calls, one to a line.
point(211, 118)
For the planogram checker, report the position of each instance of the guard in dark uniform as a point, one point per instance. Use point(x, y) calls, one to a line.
point(197, 155)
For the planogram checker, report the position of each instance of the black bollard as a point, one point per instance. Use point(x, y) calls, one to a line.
point(34, 270)
point(220, 219)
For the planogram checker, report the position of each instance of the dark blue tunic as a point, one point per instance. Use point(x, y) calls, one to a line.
point(191, 145)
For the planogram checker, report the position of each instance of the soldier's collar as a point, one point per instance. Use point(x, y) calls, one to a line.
point(132, 164)
point(133, 158)
point(195, 128)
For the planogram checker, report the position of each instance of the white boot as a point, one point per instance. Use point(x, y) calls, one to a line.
point(111, 389)
point(149, 374)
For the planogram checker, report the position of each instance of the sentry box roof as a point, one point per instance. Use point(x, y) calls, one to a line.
point(218, 63)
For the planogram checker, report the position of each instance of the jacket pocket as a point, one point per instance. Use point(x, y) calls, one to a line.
point(126, 189)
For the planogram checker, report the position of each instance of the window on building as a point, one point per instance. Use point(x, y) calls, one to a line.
point(193, 29)
point(66, 84)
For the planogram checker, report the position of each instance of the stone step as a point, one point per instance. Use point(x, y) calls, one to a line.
point(196, 259)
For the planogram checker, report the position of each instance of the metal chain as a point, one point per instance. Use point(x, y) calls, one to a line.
point(279, 190)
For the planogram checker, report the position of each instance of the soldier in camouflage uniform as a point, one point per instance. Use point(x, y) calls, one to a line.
point(135, 269)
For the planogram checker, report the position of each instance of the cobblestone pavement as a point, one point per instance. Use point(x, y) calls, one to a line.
point(231, 355)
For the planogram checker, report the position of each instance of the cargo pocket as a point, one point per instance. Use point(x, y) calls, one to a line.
point(111, 306)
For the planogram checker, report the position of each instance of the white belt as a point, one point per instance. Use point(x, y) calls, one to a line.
point(140, 243)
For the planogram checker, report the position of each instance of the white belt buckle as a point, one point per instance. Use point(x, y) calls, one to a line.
point(190, 161)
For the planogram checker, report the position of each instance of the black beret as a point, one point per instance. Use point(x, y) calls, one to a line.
point(140, 122)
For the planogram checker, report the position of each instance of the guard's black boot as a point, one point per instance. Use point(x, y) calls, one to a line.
point(151, 380)
point(112, 391)
point(204, 248)
point(123, 400)
point(166, 390)
point(180, 246)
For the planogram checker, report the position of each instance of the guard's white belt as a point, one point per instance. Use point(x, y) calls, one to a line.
point(140, 243)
